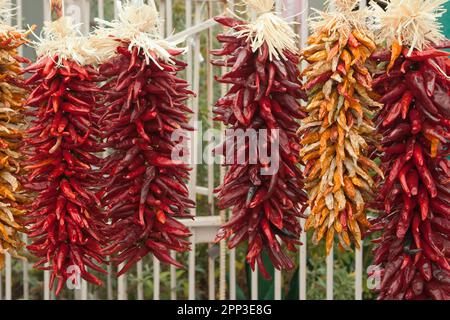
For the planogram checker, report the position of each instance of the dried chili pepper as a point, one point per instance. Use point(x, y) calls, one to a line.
point(64, 221)
point(12, 97)
point(265, 88)
point(144, 104)
point(418, 215)
point(339, 185)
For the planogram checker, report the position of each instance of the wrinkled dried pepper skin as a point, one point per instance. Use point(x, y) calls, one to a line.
point(336, 135)
point(12, 97)
point(145, 190)
point(64, 221)
point(263, 95)
point(413, 250)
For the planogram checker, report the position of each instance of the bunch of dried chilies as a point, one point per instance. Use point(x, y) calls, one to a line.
point(413, 251)
point(64, 220)
point(126, 204)
point(144, 105)
point(265, 196)
point(12, 125)
point(338, 133)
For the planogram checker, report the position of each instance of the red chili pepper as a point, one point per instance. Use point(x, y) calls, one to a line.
point(416, 122)
point(424, 55)
point(394, 112)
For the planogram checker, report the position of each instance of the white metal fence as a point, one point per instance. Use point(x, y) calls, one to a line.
point(221, 271)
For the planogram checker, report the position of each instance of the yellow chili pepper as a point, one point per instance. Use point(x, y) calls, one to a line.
point(395, 53)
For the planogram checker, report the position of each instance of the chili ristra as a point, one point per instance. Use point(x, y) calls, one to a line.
point(338, 129)
point(264, 90)
point(12, 126)
point(414, 201)
point(144, 105)
point(64, 221)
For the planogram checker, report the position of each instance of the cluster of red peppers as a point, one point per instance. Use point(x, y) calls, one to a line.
point(414, 249)
point(145, 189)
point(65, 221)
point(263, 95)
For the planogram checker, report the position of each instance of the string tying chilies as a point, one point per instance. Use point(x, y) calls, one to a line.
point(268, 29)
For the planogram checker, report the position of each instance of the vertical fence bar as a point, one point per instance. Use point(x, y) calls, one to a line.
point(222, 244)
point(140, 284)
point(359, 272)
point(330, 257)
point(359, 252)
point(169, 17)
point(209, 103)
point(191, 270)
point(173, 274)
point(195, 109)
point(232, 252)
point(8, 289)
point(8, 271)
point(277, 284)
point(156, 279)
point(232, 274)
point(19, 22)
point(188, 18)
point(223, 217)
point(303, 237)
point(254, 283)
point(84, 290)
point(162, 14)
point(109, 289)
point(25, 275)
point(192, 184)
point(46, 284)
point(330, 274)
point(122, 285)
point(116, 8)
point(173, 279)
point(101, 9)
point(277, 273)
point(19, 14)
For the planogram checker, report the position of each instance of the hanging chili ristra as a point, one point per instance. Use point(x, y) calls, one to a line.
point(12, 126)
point(413, 251)
point(338, 130)
point(64, 220)
point(145, 104)
point(264, 90)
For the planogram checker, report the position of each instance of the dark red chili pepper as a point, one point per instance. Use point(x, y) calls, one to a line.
point(416, 83)
point(417, 55)
point(263, 96)
point(394, 94)
point(318, 80)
